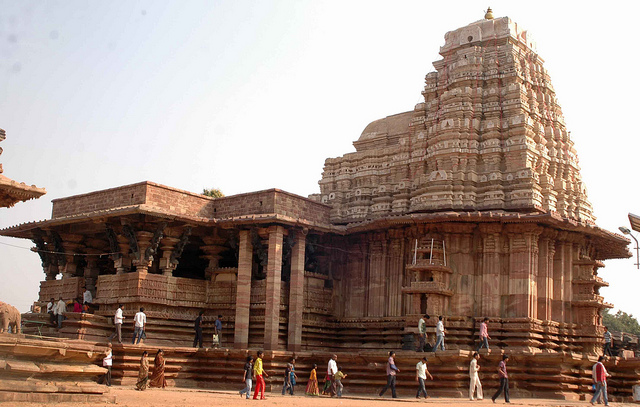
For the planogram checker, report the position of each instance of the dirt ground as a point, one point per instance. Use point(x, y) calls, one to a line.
point(174, 397)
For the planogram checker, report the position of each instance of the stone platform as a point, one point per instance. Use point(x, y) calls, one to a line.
point(561, 375)
point(50, 370)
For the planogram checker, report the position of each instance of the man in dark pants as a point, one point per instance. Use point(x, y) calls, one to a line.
point(198, 327)
point(391, 376)
point(504, 380)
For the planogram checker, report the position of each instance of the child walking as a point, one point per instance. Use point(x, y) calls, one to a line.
point(338, 381)
point(312, 385)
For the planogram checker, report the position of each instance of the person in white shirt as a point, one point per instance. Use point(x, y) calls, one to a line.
point(332, 369)
point(117, 321)
point(107, 361)
point(473, 375)
point(59, 309)
point(139, 322)
point(439, 334)
point(87, 298)
point(421, 375)
point(50, 305)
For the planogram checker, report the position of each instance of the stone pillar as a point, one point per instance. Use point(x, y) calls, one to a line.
point(557, 303)
point(523, 270)
point(51, 272)
point(376, 284)
point(167, 245)
point(123, 261)
point(70, 244)
point(212, 248)
point(395, 274)
point(545, 275)
point(490, 288)
point(296, 293)
point(91, 272)
point(274, 271)
point(243, 291)
point(142, 263)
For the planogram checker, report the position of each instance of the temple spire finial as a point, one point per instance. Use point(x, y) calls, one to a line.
point(489, 14)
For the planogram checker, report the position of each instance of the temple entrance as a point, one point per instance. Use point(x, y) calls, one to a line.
point(192, 264)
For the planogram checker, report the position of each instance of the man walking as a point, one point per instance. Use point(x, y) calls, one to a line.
point(599, 374)
point(392, 369)
point(421, 375)
point(422, 333)
point(198, 327)
point(117, 322)
point(439, 334)
point(484, 335)
point(504, 380)
point(87, 297)
point(475, 379)
point(139, 322)
point(332, 369)
point(608, 342)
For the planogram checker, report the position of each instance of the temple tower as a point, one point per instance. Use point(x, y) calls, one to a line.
point(489, 135)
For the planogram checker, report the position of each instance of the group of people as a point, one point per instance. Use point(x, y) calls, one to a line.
point(217, 331)
point(254, 372)
point(56, 309)
point(139, 325)
point(144, 380)
point(441, 332)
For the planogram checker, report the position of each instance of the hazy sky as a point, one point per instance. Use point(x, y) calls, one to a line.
point(249, 95)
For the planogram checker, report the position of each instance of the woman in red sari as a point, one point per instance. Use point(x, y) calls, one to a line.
point(157, 378)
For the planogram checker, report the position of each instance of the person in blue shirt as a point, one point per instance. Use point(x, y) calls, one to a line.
point(218, 328)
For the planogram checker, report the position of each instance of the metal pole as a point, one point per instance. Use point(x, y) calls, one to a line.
point(637, 252)
point(415, 253)
point(431, 252)
point(444, 253)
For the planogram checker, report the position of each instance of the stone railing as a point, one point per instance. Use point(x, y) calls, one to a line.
point(68, 288)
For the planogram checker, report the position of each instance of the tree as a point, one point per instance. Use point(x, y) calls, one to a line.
point(213, 192)
point(621, 322)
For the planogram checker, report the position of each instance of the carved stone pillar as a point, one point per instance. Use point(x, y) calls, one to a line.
point(212, 248)
point(296, 293)
point(142, 262)
point(489, 279)
point(167, 245)
point(243, 291)
point(557, 303)
point(396, 267)
point(522, 301)
point(71, 245)
point(91, 272)
point(51, 271)
point(545, 274)
point(376, 278)
point(274, 271)
point(123, 261)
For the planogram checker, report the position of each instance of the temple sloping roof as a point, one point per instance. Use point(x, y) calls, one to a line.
point(634, 220)
point(12, 192)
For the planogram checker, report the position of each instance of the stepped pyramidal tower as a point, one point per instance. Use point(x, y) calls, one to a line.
point(489, 135)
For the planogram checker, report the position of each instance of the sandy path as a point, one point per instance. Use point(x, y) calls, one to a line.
point(127, 397)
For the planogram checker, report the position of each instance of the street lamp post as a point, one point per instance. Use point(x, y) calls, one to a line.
point(626, 231)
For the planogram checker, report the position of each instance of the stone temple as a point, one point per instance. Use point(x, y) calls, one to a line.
point(470, 205)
